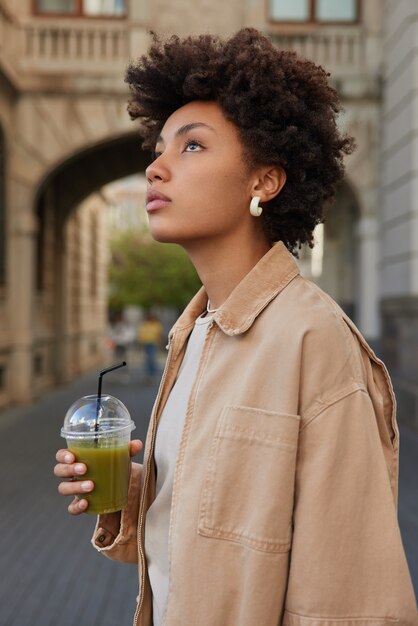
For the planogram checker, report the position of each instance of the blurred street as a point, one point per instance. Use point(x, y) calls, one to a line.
point(49, 573)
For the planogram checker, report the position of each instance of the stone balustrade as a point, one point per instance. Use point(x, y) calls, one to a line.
point(69, 45)
point(36, 46)
point(51, 45)
point(341, 51)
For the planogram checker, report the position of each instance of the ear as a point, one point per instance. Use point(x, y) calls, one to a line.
point(269, 182)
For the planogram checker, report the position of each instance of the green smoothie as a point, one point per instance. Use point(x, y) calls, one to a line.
point(108, 467)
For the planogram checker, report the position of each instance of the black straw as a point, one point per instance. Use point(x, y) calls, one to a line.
point(99, 393)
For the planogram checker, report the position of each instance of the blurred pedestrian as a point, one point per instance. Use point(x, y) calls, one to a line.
point(123, 336)
point(149, 337)
point(268, 492)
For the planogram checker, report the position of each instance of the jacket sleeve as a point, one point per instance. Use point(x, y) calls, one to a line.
point(347, 563)
point(116, 537)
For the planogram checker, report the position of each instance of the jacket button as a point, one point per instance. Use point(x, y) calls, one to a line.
point(101, 538)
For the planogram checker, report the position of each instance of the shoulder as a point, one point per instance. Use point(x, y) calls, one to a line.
point(331, 350)
point(331, 358)
point(307, 312)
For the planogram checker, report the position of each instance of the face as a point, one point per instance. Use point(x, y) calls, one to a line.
point(198, 185)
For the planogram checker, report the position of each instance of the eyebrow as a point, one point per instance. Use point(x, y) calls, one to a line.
point(186, 128)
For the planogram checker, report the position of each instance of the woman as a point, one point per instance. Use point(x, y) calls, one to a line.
point(269, 487)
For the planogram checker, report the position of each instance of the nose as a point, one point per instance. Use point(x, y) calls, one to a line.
point(157, 170)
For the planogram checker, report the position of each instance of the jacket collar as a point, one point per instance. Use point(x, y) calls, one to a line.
point(264, 282)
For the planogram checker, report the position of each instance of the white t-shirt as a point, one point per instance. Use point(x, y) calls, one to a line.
point(167, 442)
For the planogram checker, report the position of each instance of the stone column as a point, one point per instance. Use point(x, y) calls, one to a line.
point(23, 230)
point(399, 201)
point(61, 290)
point(367, 295)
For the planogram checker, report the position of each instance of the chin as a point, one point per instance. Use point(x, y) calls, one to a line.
point(166, 235)
point(163, 237)
point(183, 237)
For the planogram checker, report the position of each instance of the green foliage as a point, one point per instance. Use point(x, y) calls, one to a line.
point(146, 273)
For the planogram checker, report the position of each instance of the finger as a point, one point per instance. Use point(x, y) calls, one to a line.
point(65, 456)
point(76, 487)
point(77, 506)
point(136, 447)
point(66, 470)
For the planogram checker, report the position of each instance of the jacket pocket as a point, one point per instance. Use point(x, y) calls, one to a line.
point(247, 494)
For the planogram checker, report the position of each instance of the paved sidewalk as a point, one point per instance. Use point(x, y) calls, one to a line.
point(49, 573)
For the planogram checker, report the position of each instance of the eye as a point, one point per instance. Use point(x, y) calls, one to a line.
point(193, 146)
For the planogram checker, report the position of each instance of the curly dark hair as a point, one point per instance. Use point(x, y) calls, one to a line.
point(283, 107)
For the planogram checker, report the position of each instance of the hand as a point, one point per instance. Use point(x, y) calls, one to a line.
point(68, 468)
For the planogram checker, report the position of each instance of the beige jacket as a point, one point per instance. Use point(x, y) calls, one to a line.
point(285, 490)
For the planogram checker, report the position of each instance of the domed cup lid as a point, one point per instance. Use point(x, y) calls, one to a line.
point(96, 418)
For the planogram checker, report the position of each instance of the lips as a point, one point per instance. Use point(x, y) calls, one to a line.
point(156, 200)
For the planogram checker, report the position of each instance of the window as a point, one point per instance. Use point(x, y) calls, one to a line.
point(81, 8)
point(323, 11)
point(2, 208)
point(56, 6)
point(341, 11)
point(295, 11)
point(104, 7)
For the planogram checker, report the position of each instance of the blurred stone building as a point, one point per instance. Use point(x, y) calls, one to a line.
point(65, 133)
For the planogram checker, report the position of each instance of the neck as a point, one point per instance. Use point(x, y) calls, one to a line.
point(223, 265)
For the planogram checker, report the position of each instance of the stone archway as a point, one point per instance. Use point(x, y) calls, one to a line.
point(333, 263)
point(344, 262)
point(46, 187)
point(341, 271)
point(92, 167)
point(66, 339)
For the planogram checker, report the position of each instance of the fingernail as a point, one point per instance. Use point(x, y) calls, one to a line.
point(68, 458)
point(82, 504)
point(86, 485)
point(79, 468)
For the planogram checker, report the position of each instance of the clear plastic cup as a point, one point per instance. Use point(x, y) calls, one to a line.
point(98, 432)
